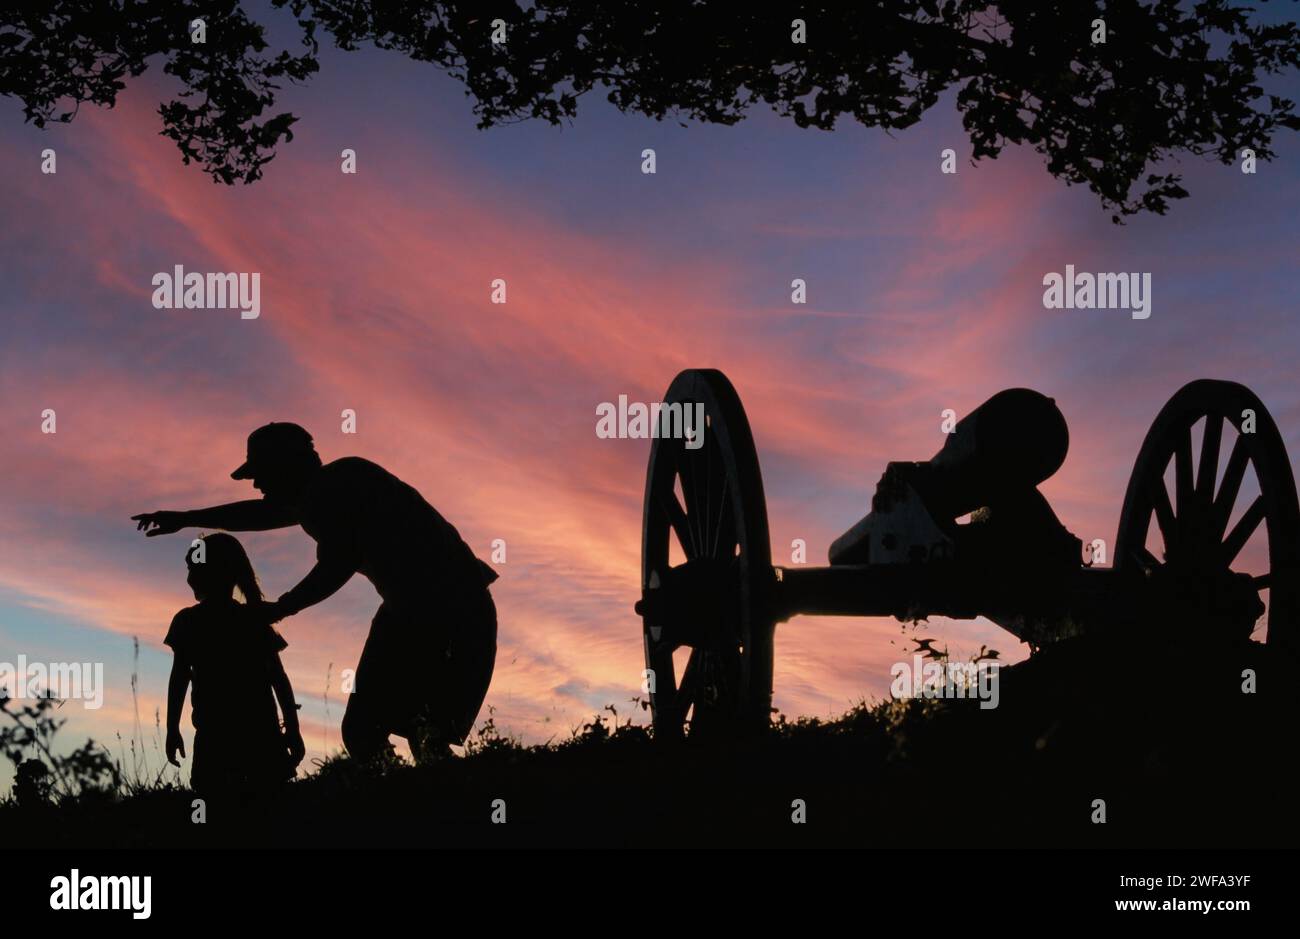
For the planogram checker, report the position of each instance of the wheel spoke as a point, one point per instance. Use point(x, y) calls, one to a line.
point(681, 526)
point(1242, 531)
point(710, 527)
point(1209, 466)
point(709, 493)
point(1233, 474)
point(1183, 473)
point(1145, 558)
point(1159, 497)
point(703, 483)
point(690, 473)
point(692, 678)
point(718, 541)
point(659, 658)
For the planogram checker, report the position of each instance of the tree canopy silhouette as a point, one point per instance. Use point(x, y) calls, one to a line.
point(1170, 78)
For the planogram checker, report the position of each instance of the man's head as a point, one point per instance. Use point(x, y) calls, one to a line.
point(281, 458)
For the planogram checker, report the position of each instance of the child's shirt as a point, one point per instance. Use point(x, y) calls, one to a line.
point(232, 659)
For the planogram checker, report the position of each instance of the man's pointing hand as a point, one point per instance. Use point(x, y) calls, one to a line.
point(159, 523)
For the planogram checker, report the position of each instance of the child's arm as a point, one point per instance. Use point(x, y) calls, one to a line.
point(288, 707)
point(177, 686)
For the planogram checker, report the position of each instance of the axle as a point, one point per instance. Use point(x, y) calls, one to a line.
point(1034, 608)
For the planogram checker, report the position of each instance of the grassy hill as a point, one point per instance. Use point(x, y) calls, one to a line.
point(1161, 731)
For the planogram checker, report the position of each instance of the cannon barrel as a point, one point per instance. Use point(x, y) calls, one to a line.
point(995, 456)
point(1009, 444)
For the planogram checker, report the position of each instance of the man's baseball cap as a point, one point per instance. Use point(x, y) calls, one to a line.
point(272, 443)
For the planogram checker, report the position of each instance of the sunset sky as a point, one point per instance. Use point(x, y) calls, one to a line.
point(924, 293)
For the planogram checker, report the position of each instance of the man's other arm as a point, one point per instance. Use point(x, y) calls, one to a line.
point(324, 580)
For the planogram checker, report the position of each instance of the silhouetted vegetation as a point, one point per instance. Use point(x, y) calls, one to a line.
point(1158, 727)
point(43, 775)
point(1170, 78)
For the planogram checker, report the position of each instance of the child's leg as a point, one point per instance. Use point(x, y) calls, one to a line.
point(199, 776)
point(212, 775)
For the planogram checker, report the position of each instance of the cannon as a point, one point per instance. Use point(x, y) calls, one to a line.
point(963, 534)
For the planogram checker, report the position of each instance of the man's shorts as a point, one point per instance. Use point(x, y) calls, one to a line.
point(425, 670)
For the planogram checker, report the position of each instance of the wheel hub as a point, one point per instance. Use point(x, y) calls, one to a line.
point(694, 604)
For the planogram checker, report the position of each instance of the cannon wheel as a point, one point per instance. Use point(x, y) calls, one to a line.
point(718, 602)
point(1194, 525)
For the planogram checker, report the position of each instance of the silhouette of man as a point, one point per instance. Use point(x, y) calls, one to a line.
point(427, 662)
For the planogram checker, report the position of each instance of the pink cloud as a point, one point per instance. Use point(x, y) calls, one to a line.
point(376, 297)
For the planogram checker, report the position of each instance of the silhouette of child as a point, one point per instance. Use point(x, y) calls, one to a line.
point(231, 654)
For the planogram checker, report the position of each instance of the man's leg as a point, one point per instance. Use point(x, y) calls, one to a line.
point(365, 724)
point(364, 734)
point(473, 661)
point(450, 679)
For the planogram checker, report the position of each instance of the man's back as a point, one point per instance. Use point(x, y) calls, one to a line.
point(360, 513)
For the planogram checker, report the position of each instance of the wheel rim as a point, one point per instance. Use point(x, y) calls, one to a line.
point(717, 601)
point(1207, 523)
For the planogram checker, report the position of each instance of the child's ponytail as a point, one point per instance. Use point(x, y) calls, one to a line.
point(246, 579)
point(226, 559)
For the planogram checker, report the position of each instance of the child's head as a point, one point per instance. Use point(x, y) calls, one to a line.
point(218, 566)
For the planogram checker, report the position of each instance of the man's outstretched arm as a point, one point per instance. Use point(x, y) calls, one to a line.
point(249, 515)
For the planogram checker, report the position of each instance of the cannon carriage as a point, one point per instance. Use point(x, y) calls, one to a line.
point(964, 534)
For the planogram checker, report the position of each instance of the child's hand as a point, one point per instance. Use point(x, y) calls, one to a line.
point(174, 742)
point(293, 740)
